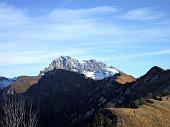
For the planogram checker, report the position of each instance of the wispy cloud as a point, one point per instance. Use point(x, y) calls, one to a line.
point(58, 25)
point(65, 3)
point(85, 13)
point(12, 16)
point(139, 55)
point(72, 25)
point(34, 57)
point(94, 32)
point(144, 14)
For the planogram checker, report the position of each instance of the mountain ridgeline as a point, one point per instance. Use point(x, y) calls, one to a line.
point(70, 93)
point(71, 99)
point(4, 82)
point(91, 68)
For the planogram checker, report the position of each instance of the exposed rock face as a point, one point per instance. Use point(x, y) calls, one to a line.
point(91, 68)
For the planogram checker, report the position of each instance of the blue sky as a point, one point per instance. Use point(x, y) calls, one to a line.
point(131, 35)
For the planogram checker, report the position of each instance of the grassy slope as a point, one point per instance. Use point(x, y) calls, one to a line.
point(124, 78)
point(147, 115)
point(23, 83)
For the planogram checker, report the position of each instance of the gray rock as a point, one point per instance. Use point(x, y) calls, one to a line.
point(91, 68)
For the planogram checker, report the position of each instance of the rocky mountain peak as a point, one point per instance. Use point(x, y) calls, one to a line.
point(155, 69)
point(91, 68)
point(153, 72)
point(64, 62)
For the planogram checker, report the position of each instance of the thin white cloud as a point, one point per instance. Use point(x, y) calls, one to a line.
point(65, 13)
point(72, 25)
point(58, 25)
point(34, 57)
point(65, 3)
point(144, 14)
point(66, 26)
point(12, 16)
point(139, 55)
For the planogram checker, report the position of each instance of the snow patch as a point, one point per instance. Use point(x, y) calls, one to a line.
point(91, 68)
point(113, 70)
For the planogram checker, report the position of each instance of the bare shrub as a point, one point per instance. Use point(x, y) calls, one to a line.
point(18, 111)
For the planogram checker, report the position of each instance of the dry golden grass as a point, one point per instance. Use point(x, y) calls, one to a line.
point(124, 78)
point(23, 83)
point(147, 115)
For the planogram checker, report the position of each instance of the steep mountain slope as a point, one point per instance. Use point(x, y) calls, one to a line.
point(91, 68)
point(4, 82)
point(71, 99)
point(154, 83)
point(146, 100)
point(152, 114)
point(67, 97)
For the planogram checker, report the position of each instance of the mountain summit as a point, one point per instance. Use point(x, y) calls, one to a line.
point(91, 68)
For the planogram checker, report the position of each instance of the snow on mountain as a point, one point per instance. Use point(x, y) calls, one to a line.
point(4, 82)
point(91, 68)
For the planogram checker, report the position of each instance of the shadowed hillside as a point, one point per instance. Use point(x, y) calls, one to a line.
point(69, 99)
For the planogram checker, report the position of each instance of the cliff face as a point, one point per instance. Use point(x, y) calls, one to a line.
point(94, 69)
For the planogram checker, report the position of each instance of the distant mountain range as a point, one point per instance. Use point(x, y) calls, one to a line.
point(70, 93)
point(4, 82)
point(93, 69)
